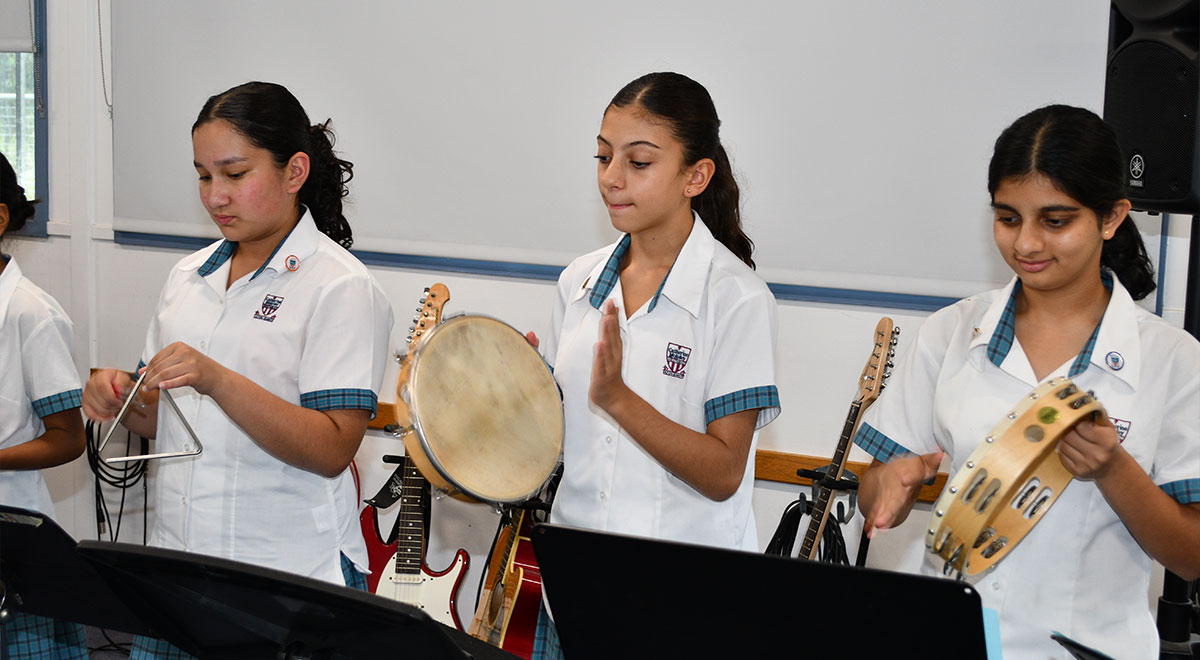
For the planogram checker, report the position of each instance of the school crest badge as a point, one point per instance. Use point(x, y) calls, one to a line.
point(677, 359)
point(1122, 427)
point(270, 305)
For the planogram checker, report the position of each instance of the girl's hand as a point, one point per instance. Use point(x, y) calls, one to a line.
point(607, 385)
point(105, 393)
point(178, 365)
point(896, 489)
point(1091, 449)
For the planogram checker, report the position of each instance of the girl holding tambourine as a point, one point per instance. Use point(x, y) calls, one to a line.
point(1061, 224)
point(663, 342)
point(273, 341)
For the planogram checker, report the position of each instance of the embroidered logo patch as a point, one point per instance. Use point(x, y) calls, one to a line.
point(677, 358)
point(270, 305)
point(1122, 427)
point(1114, 360)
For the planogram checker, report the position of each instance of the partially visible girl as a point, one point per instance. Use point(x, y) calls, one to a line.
point(40, 424)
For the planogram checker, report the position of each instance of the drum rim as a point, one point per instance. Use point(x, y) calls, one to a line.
point(418, 429)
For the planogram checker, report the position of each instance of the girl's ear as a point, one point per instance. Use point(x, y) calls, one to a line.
point(1112, 222)
point(700, 174)
point(297, 170)
point(3, 218)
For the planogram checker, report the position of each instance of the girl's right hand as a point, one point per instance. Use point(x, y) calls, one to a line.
point(895, 489)
point(105, 393)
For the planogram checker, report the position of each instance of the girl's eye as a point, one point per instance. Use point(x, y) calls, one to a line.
point(206, 177)
point(236, 175)
point(638, 165)
point(1007, 219)
point(602, 158)
point(1057, 222)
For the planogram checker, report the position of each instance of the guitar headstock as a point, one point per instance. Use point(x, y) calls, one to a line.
point(429, 314)
point(879, 366)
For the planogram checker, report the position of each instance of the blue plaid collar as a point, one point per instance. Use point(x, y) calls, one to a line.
point(690, 271)
point(226, 249)
point(1002, 338)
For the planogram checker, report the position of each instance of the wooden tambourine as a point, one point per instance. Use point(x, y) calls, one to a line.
point(1009, 481)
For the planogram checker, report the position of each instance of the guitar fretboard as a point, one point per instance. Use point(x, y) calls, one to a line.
point(410, 540)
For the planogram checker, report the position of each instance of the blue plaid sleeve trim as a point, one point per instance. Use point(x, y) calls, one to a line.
point(752, 398)
point(877, 444)
point(56, 403)
point(341, 399)
point(1184, 491)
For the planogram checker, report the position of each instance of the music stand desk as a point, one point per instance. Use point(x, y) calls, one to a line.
point(622, 596)
point(43, 574)
point(217, 608)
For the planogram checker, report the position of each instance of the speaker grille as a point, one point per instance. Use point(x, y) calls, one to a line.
point(1152, 94)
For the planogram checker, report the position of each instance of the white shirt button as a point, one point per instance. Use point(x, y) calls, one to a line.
point(995, 586)
point(603, 495)
point(608, 439)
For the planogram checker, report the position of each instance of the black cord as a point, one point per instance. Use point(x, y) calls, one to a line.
point(124, 477)
point(784, 539)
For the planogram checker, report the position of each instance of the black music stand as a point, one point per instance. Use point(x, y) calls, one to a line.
point(41, 573)
point(621, 596)
point(217, 608)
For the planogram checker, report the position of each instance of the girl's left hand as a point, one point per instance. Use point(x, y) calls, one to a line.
point(181, 365)
point(1091, 449)
point(607, 384)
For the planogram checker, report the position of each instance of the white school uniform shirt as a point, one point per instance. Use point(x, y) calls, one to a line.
point(703, 347)
point(37, 378)
point(311, 326)
point(1079, 571)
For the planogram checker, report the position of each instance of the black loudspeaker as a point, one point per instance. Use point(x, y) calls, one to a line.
point(1152, 98)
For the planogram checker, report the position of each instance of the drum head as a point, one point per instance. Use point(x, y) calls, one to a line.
point(486, 408)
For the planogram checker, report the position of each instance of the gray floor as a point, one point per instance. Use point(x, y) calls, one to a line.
point(102, 647)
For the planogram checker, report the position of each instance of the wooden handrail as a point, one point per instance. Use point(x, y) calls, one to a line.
point(769, 465)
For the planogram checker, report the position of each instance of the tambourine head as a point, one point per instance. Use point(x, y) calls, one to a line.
point(1009, 482)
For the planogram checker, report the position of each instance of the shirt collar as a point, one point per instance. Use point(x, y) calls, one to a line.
point(8, 284)
point(301, 241)
point(998, 326)
point(683, 285)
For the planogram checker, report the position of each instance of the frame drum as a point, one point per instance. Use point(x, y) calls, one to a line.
point(481, 412)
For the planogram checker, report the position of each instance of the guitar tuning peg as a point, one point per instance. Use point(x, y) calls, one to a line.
point(412, 327)
point(422, 300)
point(419, 309)
point(894, 341)
point(896, 331)
point(426, 290)
point(890, 364)
point(408, 339)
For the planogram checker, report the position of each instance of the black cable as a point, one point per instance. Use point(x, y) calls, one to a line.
point(124, 477)
point(784, 539)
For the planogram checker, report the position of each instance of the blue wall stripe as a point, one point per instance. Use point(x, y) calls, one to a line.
point(794, 292)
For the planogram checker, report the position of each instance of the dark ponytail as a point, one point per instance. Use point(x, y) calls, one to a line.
point(270, 118)
point(12, 195)
point(686, 106)
point(1079, 152)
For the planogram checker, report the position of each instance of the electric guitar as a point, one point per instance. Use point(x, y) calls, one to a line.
point(508, 610)
point(870, 384)
point(398, 568)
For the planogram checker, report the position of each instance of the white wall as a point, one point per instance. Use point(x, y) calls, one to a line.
point(110, 291)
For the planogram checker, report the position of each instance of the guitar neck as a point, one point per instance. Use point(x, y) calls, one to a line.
point(820, 510)
point(410, 541)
